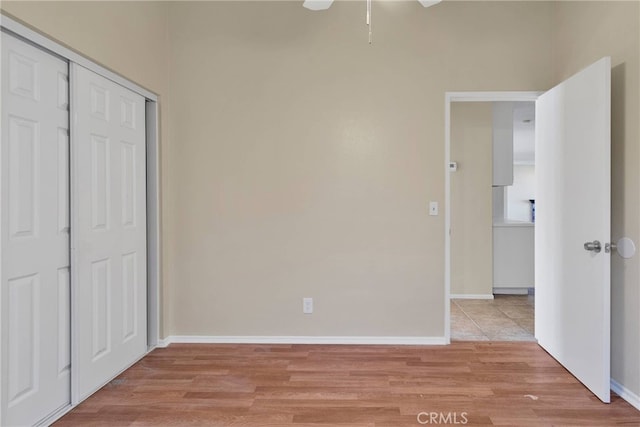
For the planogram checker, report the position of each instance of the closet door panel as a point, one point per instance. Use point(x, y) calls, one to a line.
point(35, 234)
point(109, 242)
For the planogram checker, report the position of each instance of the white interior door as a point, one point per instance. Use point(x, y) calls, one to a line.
point(573, 201)
point(35, 234)
point(109, 229)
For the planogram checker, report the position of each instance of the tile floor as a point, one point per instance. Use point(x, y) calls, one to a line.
point(505, 318)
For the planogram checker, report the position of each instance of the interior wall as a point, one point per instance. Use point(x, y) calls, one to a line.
point(471, 198)
point(305, 158)
point(129, 38)
point(583, 33)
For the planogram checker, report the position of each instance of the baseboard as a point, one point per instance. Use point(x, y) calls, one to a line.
point(626, 394)
point(511, 291)
point(471, 296)
point(224, 339)
point(163, 342)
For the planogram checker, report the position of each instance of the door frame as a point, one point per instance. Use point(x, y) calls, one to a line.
point(450, 97)
point(154, 242)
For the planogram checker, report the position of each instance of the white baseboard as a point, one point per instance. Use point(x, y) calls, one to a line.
point(471, 296)
point(163, 342)
point(626, 394)
point(511, 291)
point(204, 339)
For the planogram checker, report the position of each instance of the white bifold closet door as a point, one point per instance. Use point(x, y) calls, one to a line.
point(35, 234)
point(109, 265)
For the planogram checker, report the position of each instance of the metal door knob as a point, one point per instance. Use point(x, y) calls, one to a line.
point(594, 246)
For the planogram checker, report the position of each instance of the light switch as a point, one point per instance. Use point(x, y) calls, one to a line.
point(433, 208)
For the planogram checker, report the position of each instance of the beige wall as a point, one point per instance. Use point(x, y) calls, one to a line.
point(129, 38)
point(304, 159)
point(585, 32)
point(471, 199)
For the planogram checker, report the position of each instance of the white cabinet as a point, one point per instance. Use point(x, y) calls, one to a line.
point(513, 257)
point(502, 144)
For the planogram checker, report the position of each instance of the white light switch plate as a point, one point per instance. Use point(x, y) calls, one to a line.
point(433, 208)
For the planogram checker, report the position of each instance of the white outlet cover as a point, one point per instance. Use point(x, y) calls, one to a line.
point(307, 305)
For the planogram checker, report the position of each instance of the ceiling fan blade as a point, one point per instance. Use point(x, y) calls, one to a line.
point(427, 3)
point(317, 4)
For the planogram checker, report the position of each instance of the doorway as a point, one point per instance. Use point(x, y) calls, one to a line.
point(474, 305)
point(492, 221)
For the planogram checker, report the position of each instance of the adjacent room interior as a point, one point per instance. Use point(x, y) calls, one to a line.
point(492, 220)
point(313, 213)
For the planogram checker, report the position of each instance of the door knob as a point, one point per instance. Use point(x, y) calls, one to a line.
point(594, 246)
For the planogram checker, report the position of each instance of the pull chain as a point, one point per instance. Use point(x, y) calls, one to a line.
point(368, 20)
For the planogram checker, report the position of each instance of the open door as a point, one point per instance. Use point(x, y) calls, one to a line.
point(573, 203)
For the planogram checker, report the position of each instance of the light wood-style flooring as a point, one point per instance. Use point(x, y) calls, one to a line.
point(491, 383)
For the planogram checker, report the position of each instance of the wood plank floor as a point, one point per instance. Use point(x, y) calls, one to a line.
point(483, 383)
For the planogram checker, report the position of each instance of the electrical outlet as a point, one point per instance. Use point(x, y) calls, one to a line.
point(307, 305)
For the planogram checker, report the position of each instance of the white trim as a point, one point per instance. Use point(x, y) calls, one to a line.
point(47, 43)
point(492, 96)
point(447, 217)
point(632, 398)
point(163, 342)
point(357, 340)
point(153, 223)
point(73, 209)
point(450, 97)
point(471, 296)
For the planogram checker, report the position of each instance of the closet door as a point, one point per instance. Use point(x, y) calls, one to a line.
point(35, 234)
point(109, 229)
